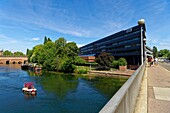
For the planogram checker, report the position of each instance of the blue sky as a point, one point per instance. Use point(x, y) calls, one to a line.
point(24, 23)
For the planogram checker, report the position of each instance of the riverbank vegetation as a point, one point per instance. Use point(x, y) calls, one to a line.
point(56, 56)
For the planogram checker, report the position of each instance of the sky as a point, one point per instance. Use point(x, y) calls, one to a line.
point(25, 23)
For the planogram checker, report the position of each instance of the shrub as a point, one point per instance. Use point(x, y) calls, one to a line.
point(122, 62)
point(81, 70)
point(104, 59)
point(115, 64)
point(68, 66)
point(79, 61)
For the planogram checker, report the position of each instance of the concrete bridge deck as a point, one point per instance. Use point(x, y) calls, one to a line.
point(154, 96)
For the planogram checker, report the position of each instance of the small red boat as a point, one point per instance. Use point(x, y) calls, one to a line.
point(29, 88)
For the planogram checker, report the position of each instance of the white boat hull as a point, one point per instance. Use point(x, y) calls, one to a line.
point(31, 91)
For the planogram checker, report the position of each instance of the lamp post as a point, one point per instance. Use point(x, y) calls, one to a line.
point(141, 22)
point(90, 66)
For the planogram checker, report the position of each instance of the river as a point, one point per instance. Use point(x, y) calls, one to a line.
point(56, 92)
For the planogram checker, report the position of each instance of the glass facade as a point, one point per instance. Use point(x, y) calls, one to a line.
point(126, 43)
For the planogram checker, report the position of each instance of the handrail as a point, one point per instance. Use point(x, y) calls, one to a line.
point(125, 98)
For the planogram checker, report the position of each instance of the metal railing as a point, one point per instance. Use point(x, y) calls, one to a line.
point(125, 98)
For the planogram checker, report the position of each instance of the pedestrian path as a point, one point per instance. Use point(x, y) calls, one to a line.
point(158, 89)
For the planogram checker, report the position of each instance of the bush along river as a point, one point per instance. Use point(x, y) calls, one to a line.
point(56, 93)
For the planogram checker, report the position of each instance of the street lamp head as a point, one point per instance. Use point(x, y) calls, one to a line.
point(141, 22)
point(144, 39)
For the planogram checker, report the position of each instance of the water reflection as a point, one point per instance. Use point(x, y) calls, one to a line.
point(13, 66)
point(29, 96)
point(63, 84)
point(106, 85)
point(34, 73)
point(59, 84)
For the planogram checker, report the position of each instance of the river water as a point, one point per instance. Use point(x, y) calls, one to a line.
point(56, 92)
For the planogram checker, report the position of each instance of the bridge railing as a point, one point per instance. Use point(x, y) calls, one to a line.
point(125, 98)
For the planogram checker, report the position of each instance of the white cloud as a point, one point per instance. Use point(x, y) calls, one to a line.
point(80, 45)
point(13, 41)
point(35, 39)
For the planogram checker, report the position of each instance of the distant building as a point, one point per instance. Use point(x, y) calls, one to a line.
point(129, 43)
point(1, 52)
point(88, 58)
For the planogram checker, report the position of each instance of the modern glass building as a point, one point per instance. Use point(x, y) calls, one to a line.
point(129, 43)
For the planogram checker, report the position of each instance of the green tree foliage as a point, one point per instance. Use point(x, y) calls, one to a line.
point(104, 59)
point(79, 61)
point(68, 66)
point(155, 52)
point(164, 53)
point(29, 54)
point(115, 64)
point(61, 42)
point(60, 46)
point(122, 62)
point(47, 56)
point(169, 55)
point(45, 39)
point(81, 70)
point(7, 53)
point(71, 50)
point(35, 53)
point(58, 55)
point(18, 53)
point(49, 39)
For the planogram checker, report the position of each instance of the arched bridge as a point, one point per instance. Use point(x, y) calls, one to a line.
point(13, 60)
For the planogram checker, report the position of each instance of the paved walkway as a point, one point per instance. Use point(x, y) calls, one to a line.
point(113, 72)
point(158, 88)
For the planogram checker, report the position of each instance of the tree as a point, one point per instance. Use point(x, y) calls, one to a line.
point(79, 61)
point(169, 55)
point(27, 51)
point(47, 56)
point(36, 53)
point(58, 55)
point(68, 66)
point(115, 64)
point(29, 54)
point(7, 53)
point(60, 45)
point(61, 42)
point(104, 59)
point(45, 40)
point(71, 50)
point(122, 62)
point(164, 53)
point(18, 53)
point(49, 39)
point(155, 52)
